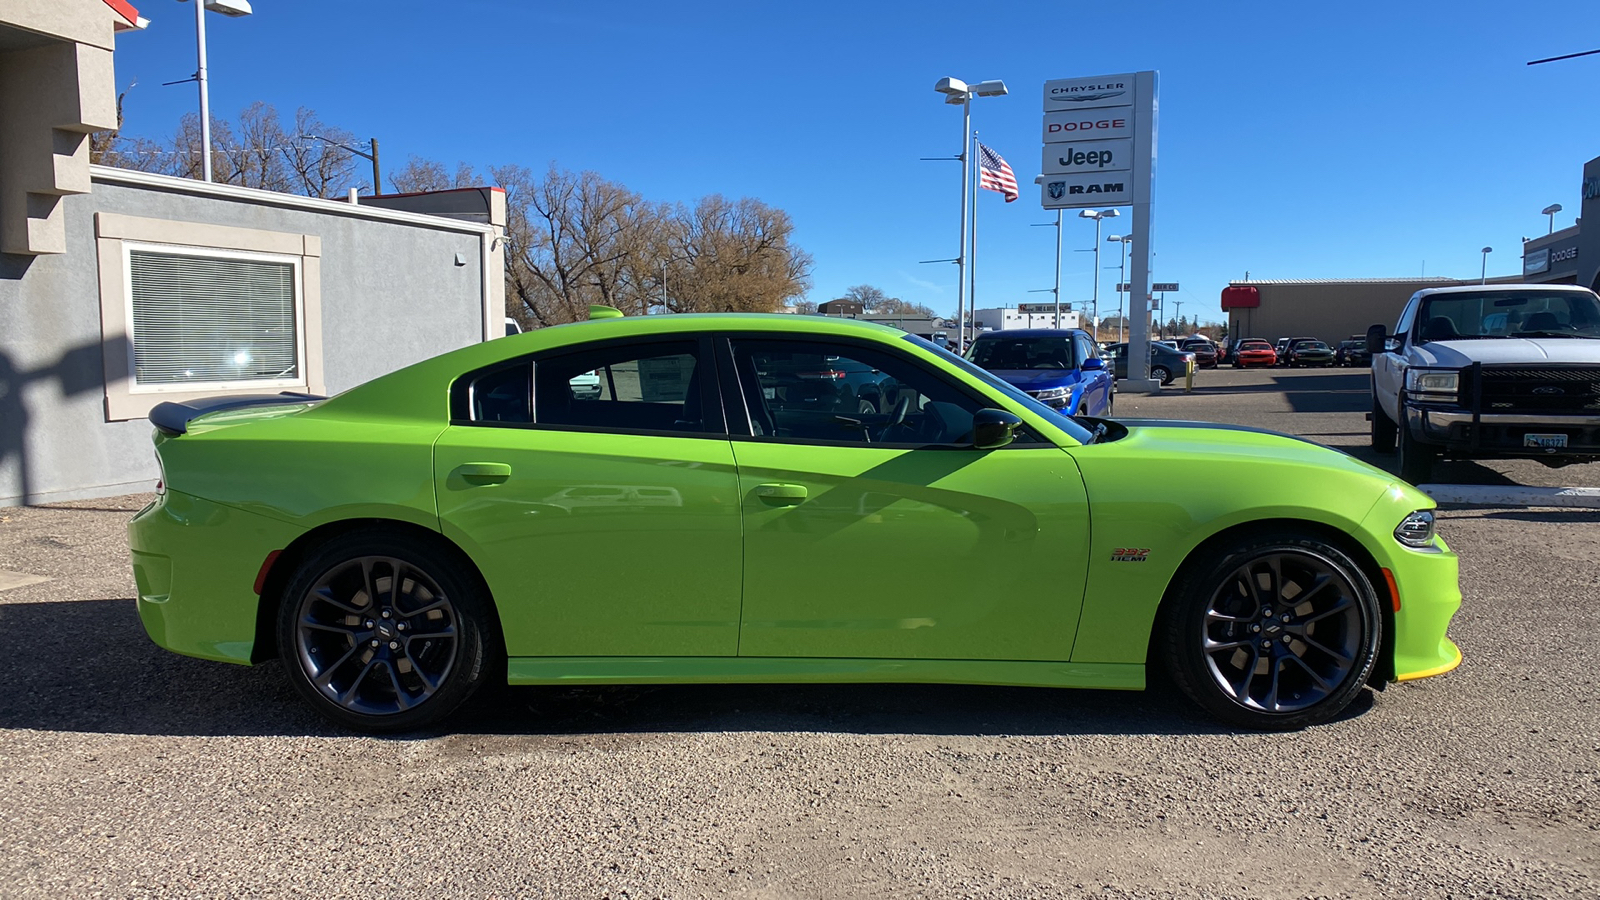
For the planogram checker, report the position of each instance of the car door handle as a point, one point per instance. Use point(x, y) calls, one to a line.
point(482, 472)
point(781, 494)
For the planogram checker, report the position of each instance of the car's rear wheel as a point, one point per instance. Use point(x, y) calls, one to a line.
point(382, 632)
point(1383, 428)
point(1279, 632)
point(1161, 374)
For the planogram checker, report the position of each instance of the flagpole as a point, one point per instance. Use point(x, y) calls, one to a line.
point(972, 262)
point(961, 247)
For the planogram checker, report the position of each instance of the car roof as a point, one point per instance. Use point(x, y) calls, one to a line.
point(1028, 332)
point(1483, 288)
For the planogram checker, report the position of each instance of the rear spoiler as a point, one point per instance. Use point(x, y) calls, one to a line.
point(174, 418)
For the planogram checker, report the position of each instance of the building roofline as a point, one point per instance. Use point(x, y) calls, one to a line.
point(274, 198)
point(1432, 279)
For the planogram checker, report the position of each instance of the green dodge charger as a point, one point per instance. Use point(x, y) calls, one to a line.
point(755, 498)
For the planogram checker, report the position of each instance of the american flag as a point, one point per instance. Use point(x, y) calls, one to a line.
point(995, 174)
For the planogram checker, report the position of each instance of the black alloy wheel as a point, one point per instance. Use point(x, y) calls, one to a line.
point(382, 633)
point(1281, 632)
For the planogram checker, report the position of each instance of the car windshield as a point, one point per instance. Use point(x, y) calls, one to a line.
point(1313, 345)
point(1255, 345)
point(997, 353)
point(1063, 421)
point(1499, 314)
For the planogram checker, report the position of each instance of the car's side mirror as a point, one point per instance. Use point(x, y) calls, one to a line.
point(1375, 336)
point(1093, 364)
point(993, 428)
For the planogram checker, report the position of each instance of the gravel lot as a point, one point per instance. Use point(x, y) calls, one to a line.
point(127, 771)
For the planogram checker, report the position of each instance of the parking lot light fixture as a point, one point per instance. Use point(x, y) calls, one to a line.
point(1483, 273)
point(1551, 211)
point(233, 9)
point(1122, 277)
point(1096, 215)
point(958, 92)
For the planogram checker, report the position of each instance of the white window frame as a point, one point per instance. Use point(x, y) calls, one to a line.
point(295, 262)
point(117, 235)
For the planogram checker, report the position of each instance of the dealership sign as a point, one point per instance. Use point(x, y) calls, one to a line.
point(1087, 156)
point(1098, 136)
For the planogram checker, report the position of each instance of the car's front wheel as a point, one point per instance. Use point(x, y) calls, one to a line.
point(381, 631)
point(1383, 428)
point(1273, 631)
point(1416, 458)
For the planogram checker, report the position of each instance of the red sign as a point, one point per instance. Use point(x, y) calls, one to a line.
point(1240, 298)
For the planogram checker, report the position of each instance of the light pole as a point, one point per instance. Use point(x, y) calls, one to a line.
point(1096, 215)
point(1122, 277)
point(1483, 274)
point(1551, 211)
point(377, 182)
point(231, 8)
point(1057, 289)
point(958, 92)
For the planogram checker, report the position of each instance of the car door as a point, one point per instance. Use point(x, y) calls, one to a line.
point(887, 536)
point(605, 521)
point(1097, 382)
point(1388, 367)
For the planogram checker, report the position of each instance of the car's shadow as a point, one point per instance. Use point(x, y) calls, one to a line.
point(88, 666)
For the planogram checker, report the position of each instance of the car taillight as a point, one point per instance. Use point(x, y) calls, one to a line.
point(161, 480)
point(824, 375)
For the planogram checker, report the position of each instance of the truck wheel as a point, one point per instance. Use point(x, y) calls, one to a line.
point(1416, 457)
point(1383, 428)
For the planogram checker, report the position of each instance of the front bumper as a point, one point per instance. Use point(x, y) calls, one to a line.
point(194, 565)
point(1429, 585)
point(1502, 434)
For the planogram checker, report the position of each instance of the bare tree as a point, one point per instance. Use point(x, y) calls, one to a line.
point(735, 256)
point(319, 168)
point(575, 239)
point(878, 303)
point(430, 175)
point(805, 307)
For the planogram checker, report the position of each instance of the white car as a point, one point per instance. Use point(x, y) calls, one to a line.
point(1489, 371)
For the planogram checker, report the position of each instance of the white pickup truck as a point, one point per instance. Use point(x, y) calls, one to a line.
point(1489, 371)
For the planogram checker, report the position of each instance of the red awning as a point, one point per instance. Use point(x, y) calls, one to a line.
point(1240, 298)
point(129, 15)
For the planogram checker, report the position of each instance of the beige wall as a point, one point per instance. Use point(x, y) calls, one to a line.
point(56, 87)
point(1330, 311)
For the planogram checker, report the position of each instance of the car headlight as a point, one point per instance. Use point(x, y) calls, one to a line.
point(1433, 384)
point(1051, 393)
point(1416, 529)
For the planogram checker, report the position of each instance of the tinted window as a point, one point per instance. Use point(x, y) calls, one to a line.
point(502, 395)
point(820, 391)
point(628, 387)
point(1065, 423)
point(1003, 353)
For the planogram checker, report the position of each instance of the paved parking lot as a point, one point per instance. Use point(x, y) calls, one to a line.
point(131, 772)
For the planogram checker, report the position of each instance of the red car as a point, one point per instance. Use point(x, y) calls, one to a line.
point(1254, 352)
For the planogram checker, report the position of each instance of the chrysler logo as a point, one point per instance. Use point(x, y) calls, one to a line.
point(1548, 390)
point(1081, 98)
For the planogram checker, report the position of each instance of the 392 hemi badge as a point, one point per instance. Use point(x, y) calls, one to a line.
point(1130, 554)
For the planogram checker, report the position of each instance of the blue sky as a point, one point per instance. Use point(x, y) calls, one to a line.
point(1296, 140)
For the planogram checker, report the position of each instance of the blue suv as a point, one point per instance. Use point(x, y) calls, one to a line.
point(1058, 367)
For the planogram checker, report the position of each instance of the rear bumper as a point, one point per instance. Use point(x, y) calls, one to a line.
point(194, 564)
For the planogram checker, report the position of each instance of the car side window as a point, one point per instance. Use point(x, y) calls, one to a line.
point(1406, 316)
point(1085, 348)
point(653, 387)
point(818, 391)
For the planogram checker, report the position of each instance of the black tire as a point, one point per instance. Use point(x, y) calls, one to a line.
point(1274, 658)
point(1383, 428)
point(1416, 458)
point(349, 638)
point(1161, 374)
point(866, 408)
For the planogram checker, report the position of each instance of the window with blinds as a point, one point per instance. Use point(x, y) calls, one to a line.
point(212, 319)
